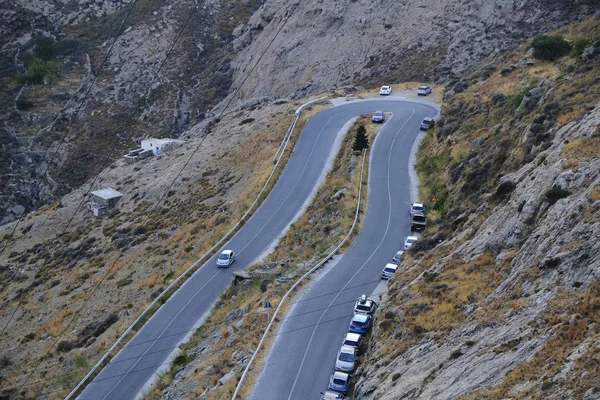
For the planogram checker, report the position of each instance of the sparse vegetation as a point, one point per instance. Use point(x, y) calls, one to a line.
point(579, 46)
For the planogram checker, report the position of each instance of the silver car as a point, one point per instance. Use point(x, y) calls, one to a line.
point(424, 90)
point(378, 117)
point(346, 359)
point(353, 340)
point(427, 124)
point(397, 257)
point(416, 208)
point(226, 258)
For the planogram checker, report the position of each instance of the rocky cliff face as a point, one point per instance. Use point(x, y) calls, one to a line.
point(174, 61)
point(328, 43)
point(169, 66)
point(500, 300)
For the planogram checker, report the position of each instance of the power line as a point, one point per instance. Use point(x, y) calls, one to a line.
point(78, 312)
point(214, 325)
point(121, 30)
point(83, 199)
point(20, 303)
point(206, 352)
point(202, 353)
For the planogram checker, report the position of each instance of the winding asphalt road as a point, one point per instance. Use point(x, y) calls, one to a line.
point(302, 357)
point(148, 350)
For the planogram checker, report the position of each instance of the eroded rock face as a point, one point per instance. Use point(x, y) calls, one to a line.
point(327, 43)
point(555, 247)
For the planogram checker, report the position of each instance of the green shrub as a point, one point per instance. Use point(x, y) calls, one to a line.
point(579, 46)
point(550, 48)
point(39, 70)
point(23, 103)
point(180, 361)
point(516, 98)
point(43, 48)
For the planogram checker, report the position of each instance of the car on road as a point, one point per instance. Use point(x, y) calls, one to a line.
point(409, 241)
point(397, 257)
point(226, 258)
point(418, 222)
point(424, 90)
point(339, 382)
point(365, 305)
point(346, 359)
point(385, 90)
point(332, 396)
point(427, 124)
point(416, 208)
point(389, 270)
point(353, 339)
point(378, 117)
point(360, 323)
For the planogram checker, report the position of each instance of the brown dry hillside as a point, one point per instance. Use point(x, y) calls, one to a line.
point(499, 299)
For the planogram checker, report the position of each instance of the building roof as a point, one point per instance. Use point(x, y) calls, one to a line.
point(107, 194)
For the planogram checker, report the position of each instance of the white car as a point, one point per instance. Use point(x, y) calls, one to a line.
point(385, 90)
point(416, 208)
point(409, 241)
point(353, 340)
point(346, 359)
point(424, 90)
point(226, 258)
point(389, 270)
point(397, 257)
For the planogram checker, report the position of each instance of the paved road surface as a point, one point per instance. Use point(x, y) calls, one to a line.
point(303, 355)
point(136, 363)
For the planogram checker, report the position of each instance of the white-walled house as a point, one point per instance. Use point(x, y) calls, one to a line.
point(158, 146)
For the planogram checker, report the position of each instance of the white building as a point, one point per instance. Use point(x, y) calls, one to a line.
point(158, 146)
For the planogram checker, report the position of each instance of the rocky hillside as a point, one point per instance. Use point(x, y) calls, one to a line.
point(500, 299)
point(93, 99)
point(174, 61)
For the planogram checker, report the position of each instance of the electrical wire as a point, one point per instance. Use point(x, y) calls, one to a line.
point(232, 97)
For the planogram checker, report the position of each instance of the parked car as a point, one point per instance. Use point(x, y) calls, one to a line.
point(427, 124)
point(418, 222)
point(424, 90)
point(360, 323)
point(378, 117)
point(346, 359)
point(409, 241)
point(332, 396)
point(389, 270)
point(365, 305)
point(416, 208)
point(353, 339)
point(385, 90)
point(339, 382)
point(397, 257)
point(226, 258)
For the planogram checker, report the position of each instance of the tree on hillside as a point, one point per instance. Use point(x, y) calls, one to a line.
point(550, 48)
point(361, 141)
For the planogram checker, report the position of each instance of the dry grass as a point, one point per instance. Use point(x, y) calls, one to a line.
point(55, 325)
point(567, 320)
point(581, 149)
point(595, 193)
point(443, 296)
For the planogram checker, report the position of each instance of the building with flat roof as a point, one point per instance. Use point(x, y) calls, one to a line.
point(103, 199)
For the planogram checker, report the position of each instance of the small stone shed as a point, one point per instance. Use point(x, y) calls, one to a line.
point(103, 199)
